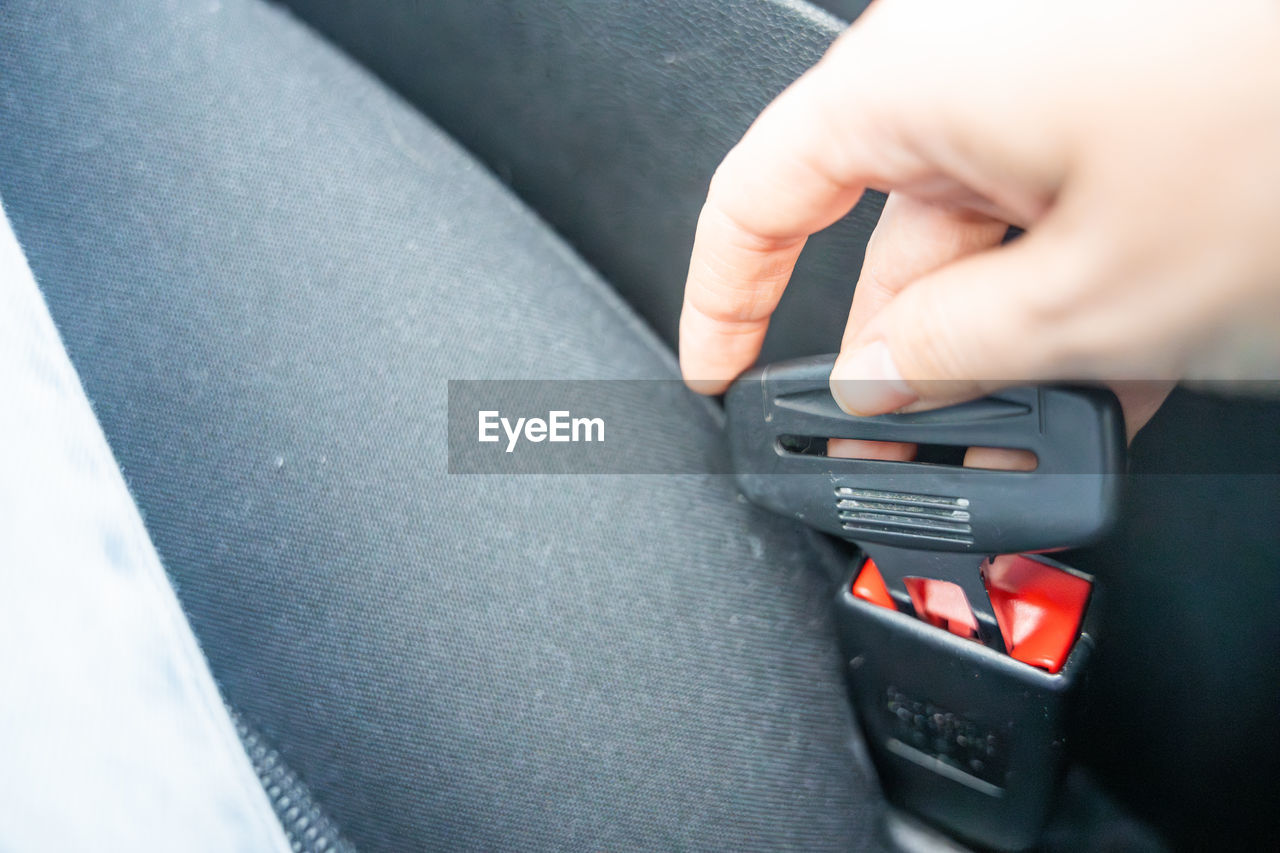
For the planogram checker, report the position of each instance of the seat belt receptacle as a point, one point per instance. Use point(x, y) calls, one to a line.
point(964, 650)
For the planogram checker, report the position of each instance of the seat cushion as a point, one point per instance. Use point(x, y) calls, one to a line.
point(609, 116)
point(265, 268)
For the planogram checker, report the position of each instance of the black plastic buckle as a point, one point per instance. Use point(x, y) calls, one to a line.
point(962, 733)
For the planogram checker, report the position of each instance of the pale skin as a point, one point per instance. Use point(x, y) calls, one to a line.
point(1137, 142)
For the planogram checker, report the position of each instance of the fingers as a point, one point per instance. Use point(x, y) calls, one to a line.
point(799, 168)
point(735, 281)
point(1000, 458)
point(856, 448)
point(871, 113)
point(1010, 315)
point(773, 190)
point(1140, 399)
point(969, 327)
point(913, 238)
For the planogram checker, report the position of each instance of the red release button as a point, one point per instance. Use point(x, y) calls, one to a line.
point(1037, 607)
point(869, 586)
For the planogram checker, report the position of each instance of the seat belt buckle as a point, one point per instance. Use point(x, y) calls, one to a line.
point(964, 649)
point(970, 738)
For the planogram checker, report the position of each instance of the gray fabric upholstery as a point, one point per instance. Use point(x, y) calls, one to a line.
point(608, 118)
point(265, 267)
point(112, 735)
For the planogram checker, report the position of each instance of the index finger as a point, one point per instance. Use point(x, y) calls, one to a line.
point(786, 179)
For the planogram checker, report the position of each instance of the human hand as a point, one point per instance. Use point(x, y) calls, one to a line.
point(1137, 142)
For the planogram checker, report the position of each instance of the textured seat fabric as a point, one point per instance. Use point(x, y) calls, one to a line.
point(113, 734)
point(608, 118)
point(265, 267)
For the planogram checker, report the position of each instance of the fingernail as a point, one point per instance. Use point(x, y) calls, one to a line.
point(867, 382)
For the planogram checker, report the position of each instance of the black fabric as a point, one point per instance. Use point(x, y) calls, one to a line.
point(1186, 683)
point(265, 267)
point(608, 118)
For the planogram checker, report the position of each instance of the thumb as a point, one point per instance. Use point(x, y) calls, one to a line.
point(981, 323)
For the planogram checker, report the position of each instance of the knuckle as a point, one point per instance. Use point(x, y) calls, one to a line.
point(932, 346)
point(1058, 314)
